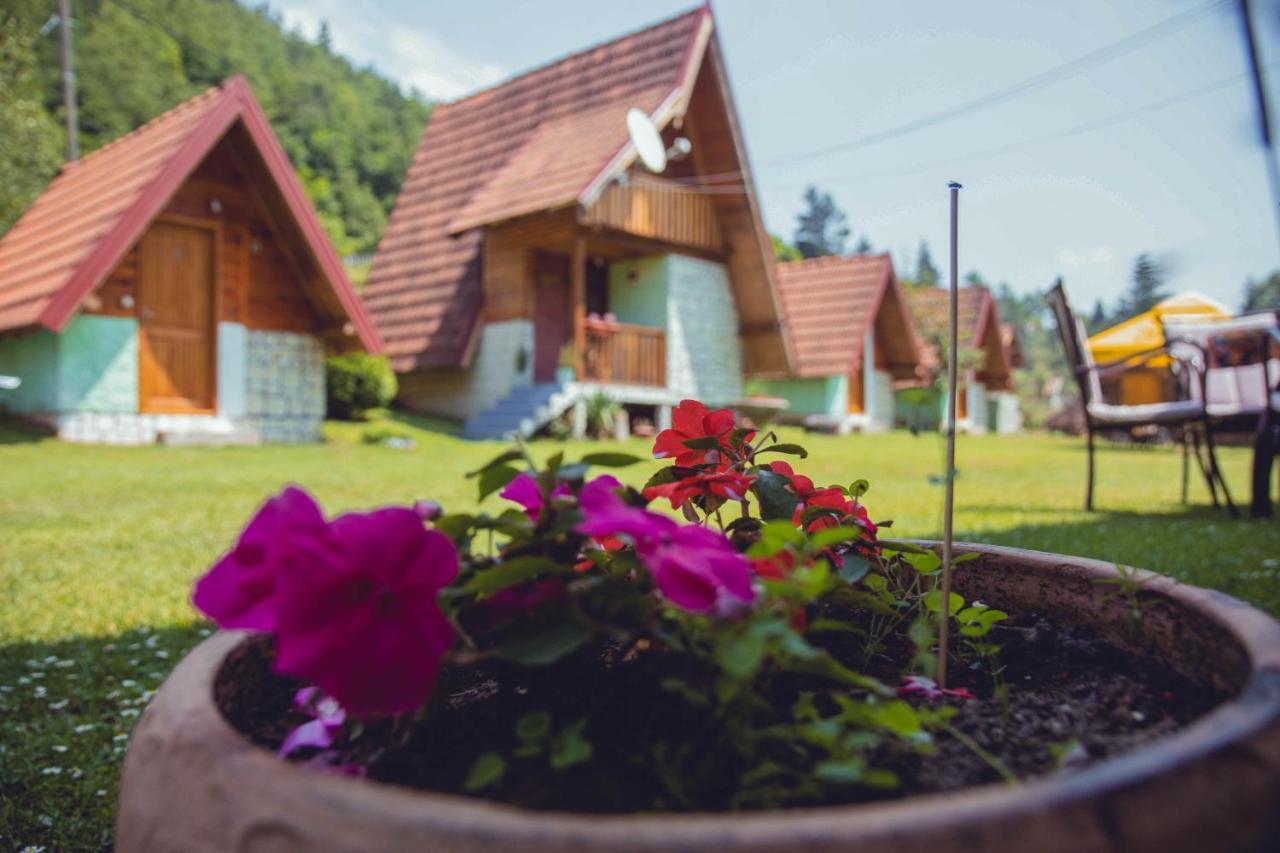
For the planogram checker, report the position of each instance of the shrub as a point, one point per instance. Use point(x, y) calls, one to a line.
point(357, 382)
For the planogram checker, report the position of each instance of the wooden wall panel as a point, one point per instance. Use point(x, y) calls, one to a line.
point(508, 261)
point(259, 284)
point(660, 210)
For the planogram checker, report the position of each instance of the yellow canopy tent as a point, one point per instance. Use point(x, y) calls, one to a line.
point(1147, 383)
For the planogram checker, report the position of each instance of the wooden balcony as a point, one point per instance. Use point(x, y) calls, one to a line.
point(659, 210)
point(624, 354)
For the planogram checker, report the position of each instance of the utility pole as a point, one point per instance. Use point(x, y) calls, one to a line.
point(68, 80)
point(1260, 99)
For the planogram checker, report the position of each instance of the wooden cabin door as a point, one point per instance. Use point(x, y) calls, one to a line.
point(176, 319)
point(551, 323)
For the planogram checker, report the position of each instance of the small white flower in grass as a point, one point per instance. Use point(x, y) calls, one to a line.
point(32, 663)
point(113, 694)
point(109, 647)
point(40, 692)
point(129, 712)
point(31, 848)
point(128, 682)
point(83, 727)
point(162, 654)
point(57, 747)
point(77, 773)
point(22, 679)
point(120, 737)
point(101, 792)
point(59, 705)
point(65, 664)
point(4, 688)
point(51, 659)
point(133, 661)
point(52, 771)
point(38, 674)
point(46, 820)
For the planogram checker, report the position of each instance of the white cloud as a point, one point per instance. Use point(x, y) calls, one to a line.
point(1087, 257)
point(416, 58)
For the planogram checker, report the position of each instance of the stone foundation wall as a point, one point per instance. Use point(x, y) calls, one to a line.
point(284, 393)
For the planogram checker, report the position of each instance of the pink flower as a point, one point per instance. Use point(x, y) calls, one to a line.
point(512, 602)
point(357, 613)
point(692, 420)
point(525, 490)
point(321, 731)
point(922, 685)
point(693, 567)
point(239, 590)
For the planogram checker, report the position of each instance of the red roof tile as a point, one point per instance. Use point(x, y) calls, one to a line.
point(534, 143)
point(76, 232)
point(931, 308)
point(830, 303)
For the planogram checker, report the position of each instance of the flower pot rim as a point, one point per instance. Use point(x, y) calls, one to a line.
point(187, 695)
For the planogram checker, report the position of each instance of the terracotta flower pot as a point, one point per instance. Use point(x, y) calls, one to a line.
point(191, 783)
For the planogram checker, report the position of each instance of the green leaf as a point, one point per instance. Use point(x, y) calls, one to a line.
point(501, 459)
point(669, 475)
point(841, 770)
point(927, 563)
point(486, 771)
point(611, 459)
point(777, 501)
point(509, 573)
point(858, 488)
point(740, 653)
point(455, 526)
point(901, 546)
point(546, 645)
point(533, 726)
point(957, 559)
point(789, 449)
point(829, 536)
point(898, 717)
point(704, 442)
point(569, 747)
point(854, 567)
point(496, 477)
point(933, 601)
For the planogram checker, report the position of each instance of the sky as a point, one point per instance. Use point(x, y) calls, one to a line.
point(1139, 151)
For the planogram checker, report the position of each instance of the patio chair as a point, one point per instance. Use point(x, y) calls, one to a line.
point(1242, 384)
point(1189, 415)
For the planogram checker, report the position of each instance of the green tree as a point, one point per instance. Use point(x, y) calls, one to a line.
point(926, 273)
point(1262, 295)
point(348, 131)
point(1146, 288)
point(784, 251)
point(31, 151)
point(821, 228)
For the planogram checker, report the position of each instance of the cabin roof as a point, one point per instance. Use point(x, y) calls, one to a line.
point(545, 140)
point(978, 319)
point(80, 227)
point(830, 303)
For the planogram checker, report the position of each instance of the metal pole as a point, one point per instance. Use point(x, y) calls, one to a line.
point(1260, 99)
point(68, 80)
point(944, 627)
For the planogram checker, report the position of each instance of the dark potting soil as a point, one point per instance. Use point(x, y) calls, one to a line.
point(1071, 700)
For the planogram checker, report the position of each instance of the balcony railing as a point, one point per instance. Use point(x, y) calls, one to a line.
point(625, 354)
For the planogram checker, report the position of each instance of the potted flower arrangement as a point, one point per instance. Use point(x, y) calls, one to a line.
point(579, 671)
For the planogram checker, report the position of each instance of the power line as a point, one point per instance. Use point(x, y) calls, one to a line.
point(1037, 81)
point(1076, 130)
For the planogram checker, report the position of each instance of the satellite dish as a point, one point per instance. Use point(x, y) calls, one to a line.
point(647, 140)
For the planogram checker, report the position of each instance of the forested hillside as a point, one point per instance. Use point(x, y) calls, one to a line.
point(349, 132)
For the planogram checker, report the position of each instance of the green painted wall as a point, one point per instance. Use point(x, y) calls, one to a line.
point(92, 366)
point(919, 408)
point(33, 358)
point(828, 395)
point(98, 365)
point(638, 291)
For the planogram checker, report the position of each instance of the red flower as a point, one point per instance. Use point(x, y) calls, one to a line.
point(800, 484)
point(725, 485)
point(776, 566)
point(691, 420)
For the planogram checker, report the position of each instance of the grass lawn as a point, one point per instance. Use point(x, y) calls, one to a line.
point(99, 546)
